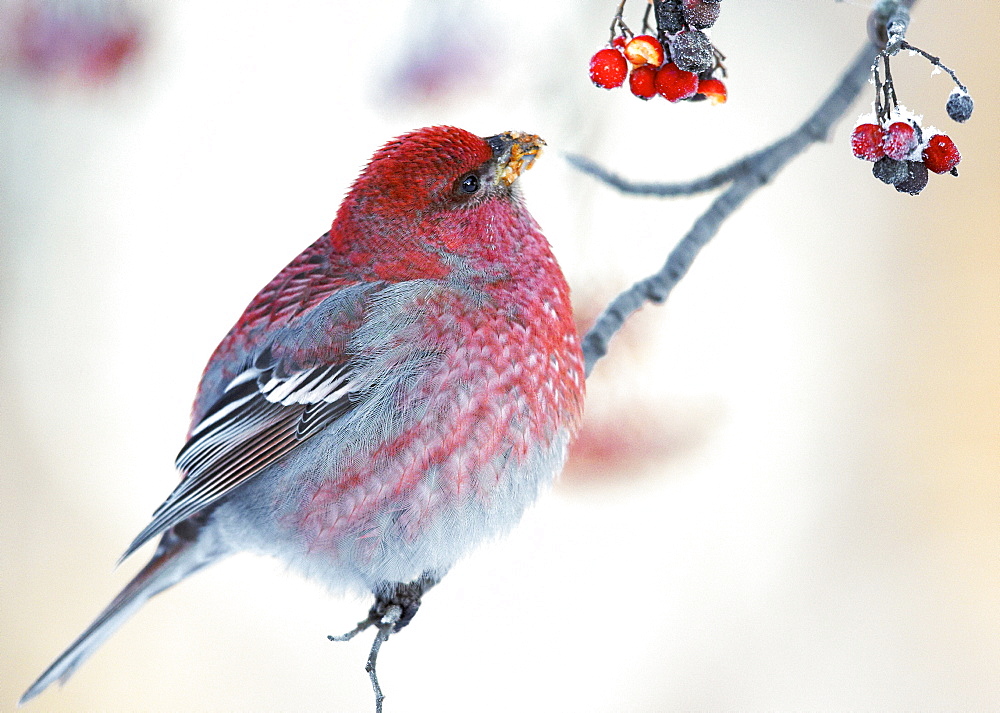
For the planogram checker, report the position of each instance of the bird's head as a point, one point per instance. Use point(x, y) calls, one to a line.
point(443, 168)
point(431, 188)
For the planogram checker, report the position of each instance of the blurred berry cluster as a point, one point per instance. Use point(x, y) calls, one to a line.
point(679, 62)
point(86, 42)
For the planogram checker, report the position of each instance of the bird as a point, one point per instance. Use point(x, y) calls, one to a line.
point(398, 394)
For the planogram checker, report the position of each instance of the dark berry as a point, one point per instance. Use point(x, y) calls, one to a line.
point(941, 155)
point(608, 68)
point(669, 17)
point(700, 14)
point(900, 140)
point(889, 170)
point(959, 106)
point(876, 28)
point(642, 81)
point(916, 178)
point(692, 51)
point(866, 141)
point(676, 84)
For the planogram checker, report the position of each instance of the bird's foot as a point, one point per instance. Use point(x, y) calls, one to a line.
point(395, 606)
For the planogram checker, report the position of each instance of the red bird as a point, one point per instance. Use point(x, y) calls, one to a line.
point(398, 394)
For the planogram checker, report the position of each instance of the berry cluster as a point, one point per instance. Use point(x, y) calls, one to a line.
point(892, 137)
point(679, 63)
point(901, 157)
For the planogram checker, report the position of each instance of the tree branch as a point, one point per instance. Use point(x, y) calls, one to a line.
point(745, 176)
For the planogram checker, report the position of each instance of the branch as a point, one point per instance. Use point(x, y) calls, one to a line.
point(745, 176)
point(660, 190)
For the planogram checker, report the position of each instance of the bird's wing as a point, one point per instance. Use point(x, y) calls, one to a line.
point(268, 409)
point(259, 418)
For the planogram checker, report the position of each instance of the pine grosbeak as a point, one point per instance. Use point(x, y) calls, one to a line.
point(399, 393)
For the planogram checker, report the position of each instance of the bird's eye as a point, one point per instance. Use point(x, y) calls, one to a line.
point(469, 184)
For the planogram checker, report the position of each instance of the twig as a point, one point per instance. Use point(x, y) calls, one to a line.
point(936, 61)
point(618, 25)
point(745, 177)
point(646, 27)
point(384, 626)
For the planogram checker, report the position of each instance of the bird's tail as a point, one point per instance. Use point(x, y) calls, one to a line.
point(175, 559)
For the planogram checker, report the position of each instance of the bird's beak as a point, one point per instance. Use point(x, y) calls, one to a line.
point(514, 153)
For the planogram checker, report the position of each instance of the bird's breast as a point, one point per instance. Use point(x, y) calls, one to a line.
point(472, 429)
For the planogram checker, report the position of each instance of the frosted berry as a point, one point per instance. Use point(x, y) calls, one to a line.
point(889, 170)
point(959, 106)
point(669, 18)
point(941, 155)
point(713, 90)
point(900, 140)
point(692, 51)
point(642, 81)
point(619, 42)
point(608, 68)
point(866, 141)
point(644, 49)
point(700, 14)
point(916, 178)
point(675, 84)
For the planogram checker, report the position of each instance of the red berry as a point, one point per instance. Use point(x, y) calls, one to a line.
point(619, 42)
point(608, 68)
point(112, 53)
point(642, 81)
point(941, 155)
point(644, 49)
point(676, 84)
point(867, 142)
point(713, 89)
point(900, 140)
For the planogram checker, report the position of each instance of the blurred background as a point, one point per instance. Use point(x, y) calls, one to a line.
point(788, 492)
